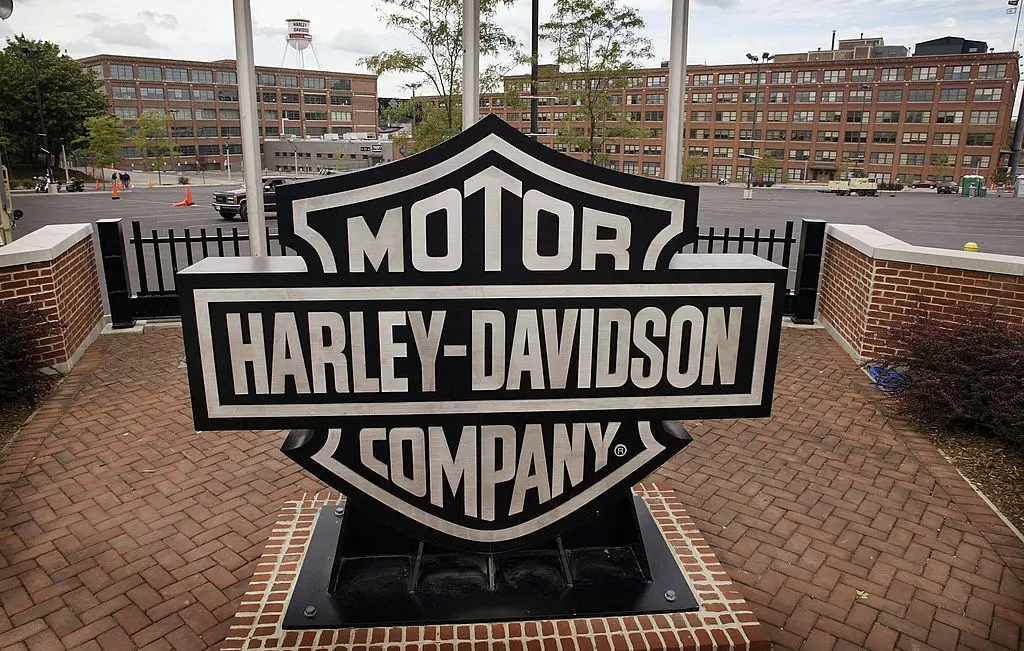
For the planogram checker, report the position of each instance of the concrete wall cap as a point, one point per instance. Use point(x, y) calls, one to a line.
point(44, 244)
point(865, 239)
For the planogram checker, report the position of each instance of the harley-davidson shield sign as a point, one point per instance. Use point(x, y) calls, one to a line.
point(483, 339)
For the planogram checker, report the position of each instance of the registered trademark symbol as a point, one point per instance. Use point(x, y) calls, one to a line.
point(619, 450)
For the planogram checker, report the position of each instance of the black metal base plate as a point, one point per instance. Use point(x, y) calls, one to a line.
point(453, 588)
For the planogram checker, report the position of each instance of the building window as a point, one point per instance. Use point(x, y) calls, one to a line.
point(750, 134)
point(341, 116)
point(654, 116)
point(176, 74)
point(314, 83)
point(832, 97)
point(186, 150)
point(634, 82)
point(206, 132)
point(752, 79)
point(635, 99)
point(918, 117)
point(209, 150)
point(925, 73)
point(201, 76)
point(956, 72)
point(782, 77)
point(293, 131)
point(700, 134)
point(981, 139)
point(725, 134)
point(799, 154)
point(949, 117)
point(807, 77)
point(862, 74)
point(988, 94)
point(887, 117)
point(269, 98)
point(984, 117)
point(633, 116)
point(855, 136)
point(206, 114)
point(227, 95)
point(126, 112)
point(630, 166)
point(341, 100)
point(652, 169)
point(975, 161)
point(778, 116)
point(180, 113)
point(800, 135)
point(267, 79)
point(703, 80)
point(828, 136)
point(853, 156)
point(729, 79)
point(151, 93)
point(341, 84)
point(270, 115)
point(652, 150)
point(882, 157)
point(860, 96)
point(129, 152)
point(231, 132)
point(316, 115)
point(289, 81)
point(953, 95)
point(631, 149)
point(124, 92)
point(992, 71)
point(775, 134)
point(177, 93)
point(748, 116)
point(892, 74)
point(721, 172)
point(884, 137)
point(202, 95)
point(695, 98)
point(315, 132)
point(803, 116)
point(796, 173)
point(700, 116)
point(725, 116)
point(314, 99)
point(749, 97)
point(150, 73)
point(722, 152)
point(778, 97)
point(912, 159)
point(946, 139)
point(824, 155)
point(289, 98)
point(229, 114)
point(121, 71)
point(834, 76)
point(227, 77)
point(915, 138)
point(805, 97)
point(921, 95)
point(656, 82)
point(888, 96)
point(830, 116)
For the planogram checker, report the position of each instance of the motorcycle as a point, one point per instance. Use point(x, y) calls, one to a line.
point(722, 182)
point(41, 183)
point(74, 185)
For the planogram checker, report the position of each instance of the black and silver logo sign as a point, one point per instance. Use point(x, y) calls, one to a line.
point(483, 339)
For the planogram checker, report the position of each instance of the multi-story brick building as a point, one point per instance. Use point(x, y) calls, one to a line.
point(821, 114)
point(202, 101)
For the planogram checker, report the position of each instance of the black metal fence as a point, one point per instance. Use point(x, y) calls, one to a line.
point(140, 284)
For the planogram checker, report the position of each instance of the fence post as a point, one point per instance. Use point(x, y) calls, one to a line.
point(808, 270)
point(115, 272)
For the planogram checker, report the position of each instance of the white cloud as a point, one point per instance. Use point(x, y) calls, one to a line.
point(132, 35)
point(168, 21)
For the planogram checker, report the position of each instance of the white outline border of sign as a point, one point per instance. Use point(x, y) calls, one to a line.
point(214, 408)
point(302, 207)
point(325, 458)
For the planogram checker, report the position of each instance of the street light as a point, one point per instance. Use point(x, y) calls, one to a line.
point(863, 104)
point(748, 193)
point(33, 51)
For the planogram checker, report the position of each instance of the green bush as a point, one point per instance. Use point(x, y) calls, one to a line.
point(965, 371)
point(22, 327)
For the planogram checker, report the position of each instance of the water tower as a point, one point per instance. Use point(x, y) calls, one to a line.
point(298, 39)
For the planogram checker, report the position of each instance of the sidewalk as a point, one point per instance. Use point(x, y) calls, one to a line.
point(121, 527)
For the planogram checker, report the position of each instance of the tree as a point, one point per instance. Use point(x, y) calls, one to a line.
point(70, 93)
point(597, 43)
point(942, 165)
point(151, 140)
point(694, 168)
point(436, 28)
point(1000, 176)
point(765, 165)
point(102, 140)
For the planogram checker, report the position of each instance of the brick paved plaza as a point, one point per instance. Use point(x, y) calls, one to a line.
point(120, 527)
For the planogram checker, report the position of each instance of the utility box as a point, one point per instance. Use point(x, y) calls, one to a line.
point(972, 185)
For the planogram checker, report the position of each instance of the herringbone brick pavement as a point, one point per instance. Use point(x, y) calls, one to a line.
point(122, 528)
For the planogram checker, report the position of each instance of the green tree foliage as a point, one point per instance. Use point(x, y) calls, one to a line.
point(694, 168)
point(942, 165)
point(765, 165)
point(1001, 176)
point(102, 140)
point(431, 123)
point(597, 42)
point(435, 27)
point(151, 139)
point(70, 94)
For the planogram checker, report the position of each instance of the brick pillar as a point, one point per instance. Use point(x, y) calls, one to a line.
point(871, 281)
point(54, 268)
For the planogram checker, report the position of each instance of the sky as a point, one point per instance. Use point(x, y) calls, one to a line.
point(721, 31)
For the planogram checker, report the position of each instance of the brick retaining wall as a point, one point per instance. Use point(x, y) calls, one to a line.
point(54, 268)
point(871, 281)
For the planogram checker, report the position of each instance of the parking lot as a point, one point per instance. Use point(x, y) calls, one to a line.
point(921, 217)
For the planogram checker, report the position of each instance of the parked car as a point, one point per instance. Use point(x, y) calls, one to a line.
point(947, 187)
point(231, 203)
point(929, 185)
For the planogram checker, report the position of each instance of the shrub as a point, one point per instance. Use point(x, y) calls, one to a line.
point(966, 370)
point(22, 327)
point(890, 186)
point(183, 180)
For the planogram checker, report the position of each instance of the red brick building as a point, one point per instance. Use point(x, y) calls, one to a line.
point(820, 114)
point(202, 100)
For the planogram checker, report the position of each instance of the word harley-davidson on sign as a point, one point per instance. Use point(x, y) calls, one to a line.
point(484, 338)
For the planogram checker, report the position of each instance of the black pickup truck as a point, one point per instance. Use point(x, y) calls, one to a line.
point(231, 203)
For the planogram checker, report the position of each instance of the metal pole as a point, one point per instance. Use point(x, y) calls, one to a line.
point(534, 56)
point(64, 156)
point(250, 127)
point(227, 159)
point(1018, 138)
point(470, 63)
point(674, 128)
point(748, 193)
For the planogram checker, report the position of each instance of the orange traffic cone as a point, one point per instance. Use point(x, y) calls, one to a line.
point(97, 185)
point(188, 198)
point(114, 195)
point(150, 185)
